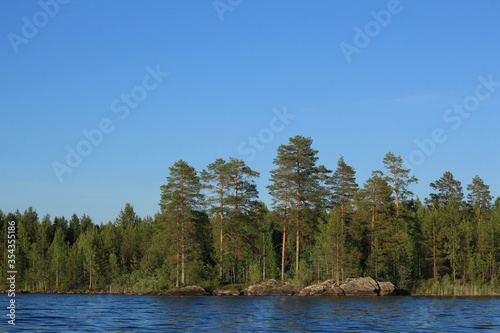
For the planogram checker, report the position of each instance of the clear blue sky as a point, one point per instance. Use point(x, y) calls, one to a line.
point(69, 68)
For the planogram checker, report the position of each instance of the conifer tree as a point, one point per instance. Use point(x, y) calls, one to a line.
point(180, 198)
point(58, 253)
point(448, 200)
point(399, 178)
point(479, 197)
point(217, 180)
point(280, 190)
point(305, 181)
point(334, 242)
point(375, 202)
point(242, 202)
point(449, 191)
point(344, 186)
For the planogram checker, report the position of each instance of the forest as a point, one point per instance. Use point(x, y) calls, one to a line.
point(212, 230)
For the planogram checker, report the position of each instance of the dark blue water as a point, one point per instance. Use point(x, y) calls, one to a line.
point(115, 313)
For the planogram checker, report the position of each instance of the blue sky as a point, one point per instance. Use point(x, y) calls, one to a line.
point(73, 66)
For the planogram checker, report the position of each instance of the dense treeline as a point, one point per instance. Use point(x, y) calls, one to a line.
point(211, 229)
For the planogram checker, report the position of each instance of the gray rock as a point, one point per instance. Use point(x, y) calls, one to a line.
point(327, 288)
point(386, 289)
point(270, 287)
point(224, 292)
point(360, 287)
point(188, 291)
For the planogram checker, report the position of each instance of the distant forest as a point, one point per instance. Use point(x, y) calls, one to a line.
point(212, 230)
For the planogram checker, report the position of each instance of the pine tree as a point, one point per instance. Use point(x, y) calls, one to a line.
point(242, 203)
point(180, 198)
point(449, 191)
point(298, 161)
point(399, 178)
point(280, 190)
point(216, 178)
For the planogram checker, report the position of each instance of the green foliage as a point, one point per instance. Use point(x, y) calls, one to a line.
point(327, 226)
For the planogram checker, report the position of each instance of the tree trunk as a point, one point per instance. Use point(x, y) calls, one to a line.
point(298, 234)
point(337, 255)
point(283, 252)
point(183, 274)
point(177, 269)
point(221, 262)
point(284, 232)
point(434, 248)
point(264, 258)
point(373, 217)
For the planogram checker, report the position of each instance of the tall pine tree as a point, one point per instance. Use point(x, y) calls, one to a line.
point(306, 180)
point(180, 198)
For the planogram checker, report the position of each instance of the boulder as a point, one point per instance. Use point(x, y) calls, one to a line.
point(387, 289)
point(327, 288)
point(224, 292)
point(360, 287)
point(270, 287)
point(188, 291)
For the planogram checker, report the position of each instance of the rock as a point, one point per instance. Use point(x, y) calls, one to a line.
point(189, 291)
point(387, 289)
point(327, 288)
point(270, 287)
point(361, 287)
point(223, 292)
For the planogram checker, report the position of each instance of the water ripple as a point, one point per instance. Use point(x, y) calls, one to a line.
point(120, 313)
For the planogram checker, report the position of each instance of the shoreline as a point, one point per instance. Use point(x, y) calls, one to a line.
point(365, 286)
point(209, 294)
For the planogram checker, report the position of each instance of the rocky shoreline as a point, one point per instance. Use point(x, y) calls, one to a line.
point(350, 287)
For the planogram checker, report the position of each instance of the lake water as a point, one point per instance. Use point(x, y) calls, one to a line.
point(117, 313)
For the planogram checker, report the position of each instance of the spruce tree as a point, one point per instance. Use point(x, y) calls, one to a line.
point(479, 198)
point(375, 205)
point(448, 200)
point(343, 186)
